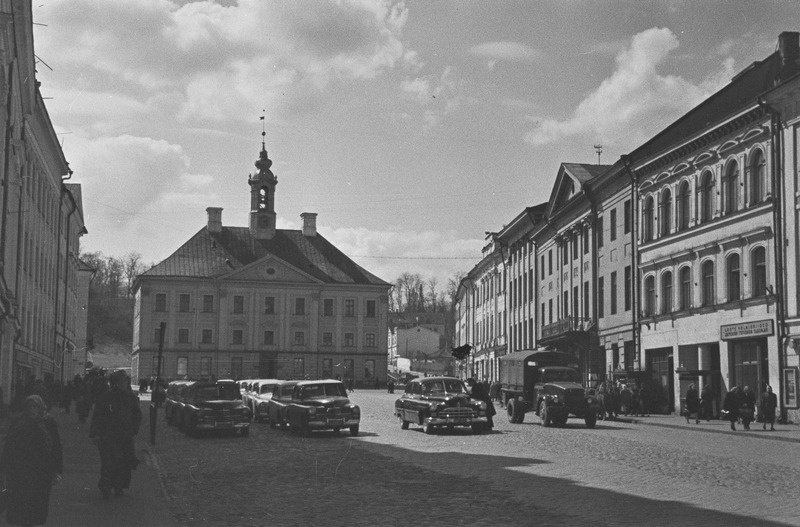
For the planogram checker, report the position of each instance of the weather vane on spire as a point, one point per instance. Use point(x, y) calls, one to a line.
point(263, 129)
point(597, 148)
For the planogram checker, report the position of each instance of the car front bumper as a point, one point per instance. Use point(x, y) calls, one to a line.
point(331, 423)
point(456, 421)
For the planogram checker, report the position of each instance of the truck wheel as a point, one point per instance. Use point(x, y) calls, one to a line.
point(477, 428)
point(405, 424)
point(427, 428)
point(544, 413)
point(515, 415)
point(591, 420)
point(354, 430)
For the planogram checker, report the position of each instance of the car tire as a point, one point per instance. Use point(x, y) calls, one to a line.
point(354, 430)
point(477, 428)
point(245, 431)
point(544, 413)
point(511, 407)
point(591, 420)
point(404, 425)
point(427, 427)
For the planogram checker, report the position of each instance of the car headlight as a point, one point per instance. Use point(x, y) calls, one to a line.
point(555, 399)
point(482, 405)
point(312, 410)
point(590, 400)
point(356, 411)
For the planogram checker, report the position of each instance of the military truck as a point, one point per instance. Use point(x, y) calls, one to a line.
point(547, 383)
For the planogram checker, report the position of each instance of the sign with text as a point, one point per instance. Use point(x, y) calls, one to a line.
point(761, 328)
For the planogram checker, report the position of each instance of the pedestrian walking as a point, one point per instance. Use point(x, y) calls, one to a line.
point(644, 399)
point(480, 393)
point(767, 406)
point(706, 402)
point(731, 405)
point(692, 404)
point(748, 407)
point(115, 423)
point(66, 396)
point(31, 463)
point(625, 400)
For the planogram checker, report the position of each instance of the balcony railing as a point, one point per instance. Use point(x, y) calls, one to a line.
point(564, 326)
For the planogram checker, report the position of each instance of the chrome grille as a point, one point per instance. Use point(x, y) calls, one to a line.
point(454, 411)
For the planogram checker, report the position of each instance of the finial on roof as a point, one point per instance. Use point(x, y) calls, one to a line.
point(263, 163)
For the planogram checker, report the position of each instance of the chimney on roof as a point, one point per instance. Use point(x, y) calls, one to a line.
point(309, 224)
point(214, 219)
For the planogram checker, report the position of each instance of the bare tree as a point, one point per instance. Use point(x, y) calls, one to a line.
point(132, 266)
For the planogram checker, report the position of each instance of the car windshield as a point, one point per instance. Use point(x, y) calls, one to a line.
point(559, 375)
point(267, 388)
point(329, 389)
point(218, 392)
point(443, 386)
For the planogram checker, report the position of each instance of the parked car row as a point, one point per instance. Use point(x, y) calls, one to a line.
point(256, 394)
point(195, 406)
point(304, 406)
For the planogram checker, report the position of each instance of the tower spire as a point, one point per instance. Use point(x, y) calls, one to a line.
point(262, 192)
point(263, 129)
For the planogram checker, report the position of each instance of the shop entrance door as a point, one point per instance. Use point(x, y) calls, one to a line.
point(749, 364)
point(659, 363)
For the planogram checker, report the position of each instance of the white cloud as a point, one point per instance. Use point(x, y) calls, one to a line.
point(635, 101)
point(508, 51)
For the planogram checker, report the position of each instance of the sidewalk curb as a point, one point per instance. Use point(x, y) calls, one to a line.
point(726, 430)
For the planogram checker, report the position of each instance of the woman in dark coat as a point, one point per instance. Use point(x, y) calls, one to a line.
point(480, 393)
point(31, 463)
point(748, 407)
point(769, 402)
point(706, 402)
point(731, 404)
point(692, 403)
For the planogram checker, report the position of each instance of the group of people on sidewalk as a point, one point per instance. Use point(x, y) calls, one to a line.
point(622, 399)
point(31, 461)
point(739, 405)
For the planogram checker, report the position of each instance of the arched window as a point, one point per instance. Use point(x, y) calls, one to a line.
point(649, 295)
point(684, 208)
point(706, 197)
point(647, 219)
point(666, 212)
point(666, 293)
point(685, 298)
point(707, 271)
point(758, 178)
point(759, 271)
point(731, 188)
point(734, 278)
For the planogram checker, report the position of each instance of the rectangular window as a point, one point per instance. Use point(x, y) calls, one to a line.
point(369, 369)
point(327, 368)
point(544, 315)
point(206, 336)
point(299, 338)
point(208, 303)
point(205, 366)
point(161, 302)
point(601, 297)
point(586, 239)
point(183, 336)
point(298, 368)
point(550, 311)
point(157, 335)
point(613, 292)
point(575, 302)
point(574, 246)
point(327, 339)
point(371, 309)
point(183, 303)
point(237, 336)
point(627, 218)
point(565, 304)
point(628, 288)
point(550, 262)
point(269, 338)
point(349, 307)
point(612, 228)
point(599, 232)
point(348, 369)
point(238, 304)
point(269, 305)
point(183, 367)
point(369, 340)
point(327, 307)
point(299, 306)
point(349, 340)
point(543, 267)
point(586, 300)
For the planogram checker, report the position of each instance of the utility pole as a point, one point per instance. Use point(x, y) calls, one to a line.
point(599, 150)
point(156, 394)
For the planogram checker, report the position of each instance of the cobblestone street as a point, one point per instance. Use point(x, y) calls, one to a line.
point(617, 474)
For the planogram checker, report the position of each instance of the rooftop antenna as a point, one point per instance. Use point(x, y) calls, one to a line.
point(263, 129)
point(599, 150)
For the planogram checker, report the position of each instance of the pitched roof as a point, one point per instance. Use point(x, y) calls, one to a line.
point(584, 172)
point(742, 92)
point(212, 255)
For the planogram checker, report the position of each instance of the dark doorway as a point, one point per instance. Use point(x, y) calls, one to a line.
point(662, 383)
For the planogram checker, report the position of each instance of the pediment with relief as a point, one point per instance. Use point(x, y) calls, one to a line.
point(269, 269)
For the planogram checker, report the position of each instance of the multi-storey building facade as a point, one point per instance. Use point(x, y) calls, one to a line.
point(41, 222)
point(710, 268)
point(417, 342)
point(566, 247)
point(259, 301)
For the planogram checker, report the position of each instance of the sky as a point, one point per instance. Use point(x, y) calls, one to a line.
point(411, 127)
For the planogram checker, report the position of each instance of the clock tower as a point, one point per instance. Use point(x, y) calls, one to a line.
point(262, 197)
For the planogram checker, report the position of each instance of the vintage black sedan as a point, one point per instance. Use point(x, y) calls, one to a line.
point(437, 402)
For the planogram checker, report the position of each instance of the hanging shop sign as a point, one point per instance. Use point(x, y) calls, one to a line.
point(761, 328)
